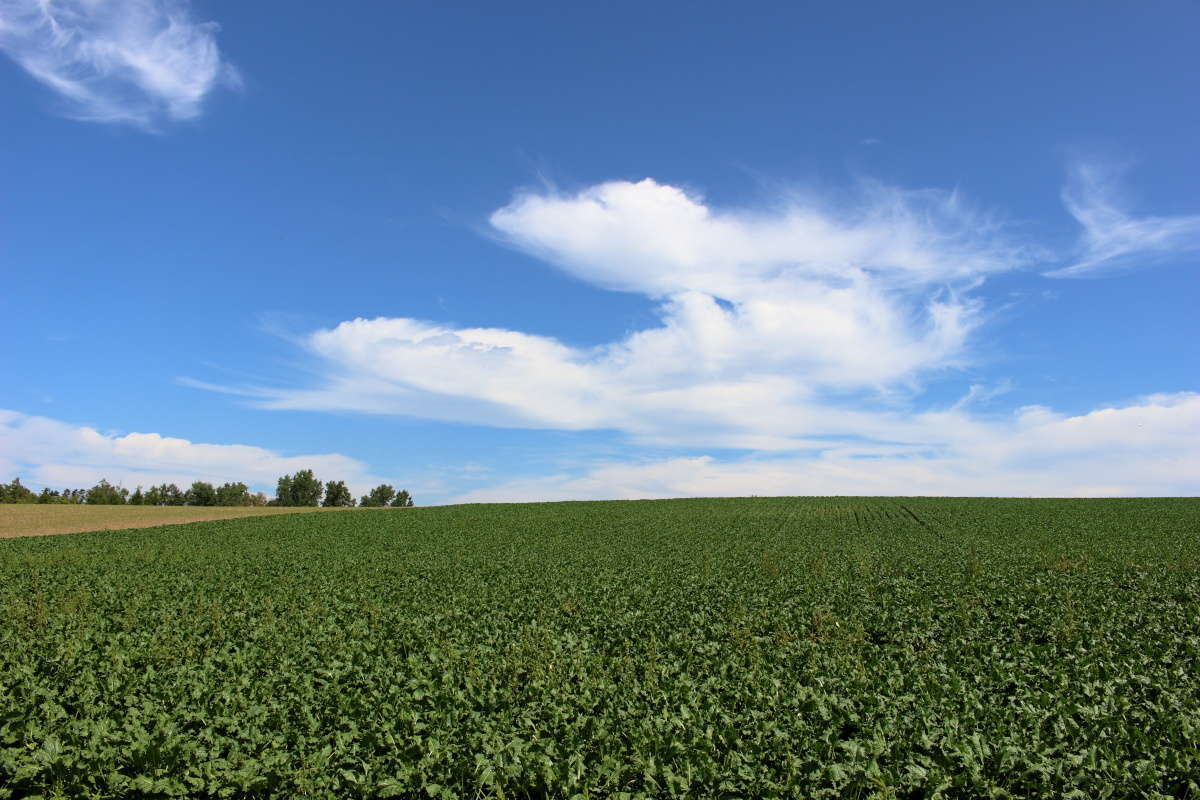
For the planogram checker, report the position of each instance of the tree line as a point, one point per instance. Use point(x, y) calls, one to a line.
point(301, 489)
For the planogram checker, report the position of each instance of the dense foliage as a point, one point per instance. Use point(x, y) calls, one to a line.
point(337, 494)
point(15, 492)
point(167, 494)
point(386, 495)
point(708, 648)
point(301, 489)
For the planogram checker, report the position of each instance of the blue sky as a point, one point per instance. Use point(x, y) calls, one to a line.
point(543, 251)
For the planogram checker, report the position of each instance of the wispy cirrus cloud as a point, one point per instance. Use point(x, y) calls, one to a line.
point(122, 61)
point(1113, 238)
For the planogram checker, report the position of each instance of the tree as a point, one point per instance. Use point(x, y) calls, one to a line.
point(105, 494)
point(16, 493)
point(283, 491)
point(257, 499)
point(66, 496)
point(233, 494)
point(302, 489)
point(168, 494)
point(403, 499)
point(336, 494)
point(306, 489)
point(381, 495)
point(202, 493)
point(137, 498)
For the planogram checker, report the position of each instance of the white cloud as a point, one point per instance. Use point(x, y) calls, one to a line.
point(1112, 238)
point(803, 334)
point(660, 240)
point(1148, 449)
point(52, 453)
point(132, 61)
point(762, 315)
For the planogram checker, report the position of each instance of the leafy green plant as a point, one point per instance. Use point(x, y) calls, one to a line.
point(823, 647)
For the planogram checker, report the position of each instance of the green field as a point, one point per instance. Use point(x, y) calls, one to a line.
point(695, 648)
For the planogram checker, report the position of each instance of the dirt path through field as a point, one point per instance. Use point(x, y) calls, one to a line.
point(40, 520)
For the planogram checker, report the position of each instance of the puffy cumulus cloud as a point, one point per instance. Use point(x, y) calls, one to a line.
point(708, 372)
point(761, 315)
point(802, 333)
point(131, 61)
point(54, 453)
point(1150, 448)
point(659, 240)
point(1112, 238)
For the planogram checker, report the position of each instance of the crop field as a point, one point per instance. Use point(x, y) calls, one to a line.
point(33, 519)
point(783, 647)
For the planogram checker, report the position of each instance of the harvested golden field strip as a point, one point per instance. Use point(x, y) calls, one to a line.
point(40, 520)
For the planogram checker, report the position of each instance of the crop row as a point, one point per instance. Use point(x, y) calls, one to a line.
point(711, 648)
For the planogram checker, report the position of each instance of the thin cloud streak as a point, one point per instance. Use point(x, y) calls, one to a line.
point(1113, 238)
point(1151, 448)
point(138, 62)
